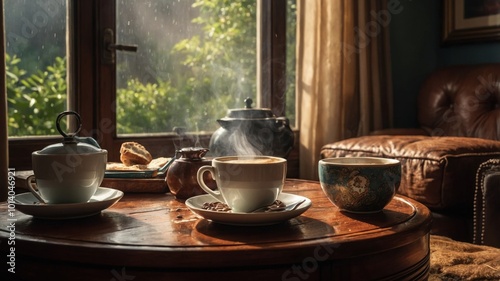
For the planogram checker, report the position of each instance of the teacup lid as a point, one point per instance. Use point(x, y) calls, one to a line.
point(71, 144)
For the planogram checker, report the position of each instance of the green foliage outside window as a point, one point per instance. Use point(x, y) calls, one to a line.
point(34, 100)
point(153, 107)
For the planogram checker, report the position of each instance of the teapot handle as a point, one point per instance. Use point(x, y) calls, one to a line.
point(284, 122)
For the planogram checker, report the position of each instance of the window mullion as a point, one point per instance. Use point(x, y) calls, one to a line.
point(271, 51)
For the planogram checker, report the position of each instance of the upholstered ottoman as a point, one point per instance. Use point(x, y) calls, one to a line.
point(439, 172)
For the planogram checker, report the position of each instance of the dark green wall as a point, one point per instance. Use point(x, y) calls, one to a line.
point(416, 50)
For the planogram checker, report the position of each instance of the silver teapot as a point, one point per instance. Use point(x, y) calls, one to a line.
point(252, 131)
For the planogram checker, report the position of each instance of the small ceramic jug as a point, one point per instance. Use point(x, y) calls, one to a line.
point(181, 175)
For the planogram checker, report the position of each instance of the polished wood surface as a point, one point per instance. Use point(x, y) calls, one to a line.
point(149, 236)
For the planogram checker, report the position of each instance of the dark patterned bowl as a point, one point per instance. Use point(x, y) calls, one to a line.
point(360, 184)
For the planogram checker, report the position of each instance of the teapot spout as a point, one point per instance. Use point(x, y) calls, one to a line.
point(224, 123)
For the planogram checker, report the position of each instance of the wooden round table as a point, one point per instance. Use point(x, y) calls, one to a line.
point(156, 237)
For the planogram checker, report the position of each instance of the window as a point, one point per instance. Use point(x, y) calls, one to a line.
point(194, 60)
point(35, 65)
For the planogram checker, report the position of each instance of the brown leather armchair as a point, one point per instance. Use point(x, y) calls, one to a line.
point(459, 117)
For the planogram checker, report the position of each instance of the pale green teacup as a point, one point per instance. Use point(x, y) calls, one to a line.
point(68, 178)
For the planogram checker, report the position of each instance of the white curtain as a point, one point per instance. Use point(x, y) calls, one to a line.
point(4, 151)
point(343, 74)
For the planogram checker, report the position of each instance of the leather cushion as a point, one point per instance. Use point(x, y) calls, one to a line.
point(437, 171)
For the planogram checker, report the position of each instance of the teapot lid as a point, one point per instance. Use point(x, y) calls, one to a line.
point(249, 113)
point(71, 144)
point(192, 153)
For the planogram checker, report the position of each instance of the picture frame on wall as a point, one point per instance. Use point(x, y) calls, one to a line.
point(468, 21)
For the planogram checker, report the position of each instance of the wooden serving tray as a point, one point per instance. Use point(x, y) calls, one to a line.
point(137, 185)
point(127, 185)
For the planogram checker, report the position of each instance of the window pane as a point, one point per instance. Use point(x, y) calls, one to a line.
point(35, 65)
point(195, 60)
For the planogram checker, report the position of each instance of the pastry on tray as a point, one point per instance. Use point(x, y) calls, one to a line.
point(135, 157)
point(133, 153)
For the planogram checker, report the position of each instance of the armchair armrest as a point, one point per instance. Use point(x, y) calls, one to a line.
point(487, 204)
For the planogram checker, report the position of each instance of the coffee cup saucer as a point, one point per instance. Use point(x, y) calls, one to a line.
point(103, 198)
point(195, 204)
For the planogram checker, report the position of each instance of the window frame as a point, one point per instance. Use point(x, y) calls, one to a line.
point(92, 84)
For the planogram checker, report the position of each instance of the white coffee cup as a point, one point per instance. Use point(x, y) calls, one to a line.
point(245, 183)
point(68, 178)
